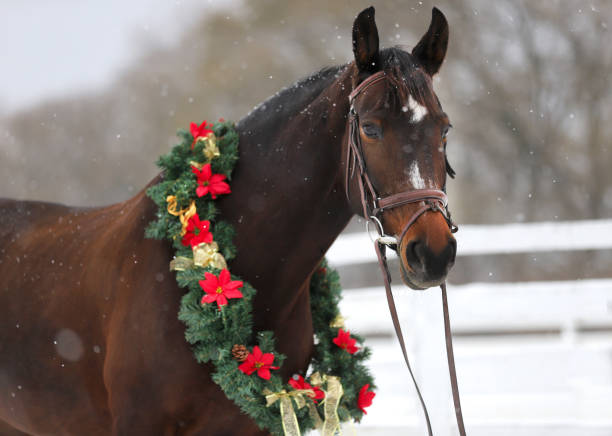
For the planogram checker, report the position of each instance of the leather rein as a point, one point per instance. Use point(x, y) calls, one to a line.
point(373, 207)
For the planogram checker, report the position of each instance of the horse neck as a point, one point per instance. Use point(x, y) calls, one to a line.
point(288, 202)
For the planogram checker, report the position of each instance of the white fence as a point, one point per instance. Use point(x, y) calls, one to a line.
point(533, 358)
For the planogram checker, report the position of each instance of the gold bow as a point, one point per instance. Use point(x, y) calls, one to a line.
point(183, 214)
point(333, 393)
point(337, 322)
point(203, 255)
point(210, 150)
point(290, 423)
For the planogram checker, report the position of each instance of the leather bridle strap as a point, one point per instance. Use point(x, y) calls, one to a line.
point(433, 200)
point(380, 75)
point(411, 197)
point(382, 261)
point(450, 356)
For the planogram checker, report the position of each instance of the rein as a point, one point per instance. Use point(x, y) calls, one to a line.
point(373, 207)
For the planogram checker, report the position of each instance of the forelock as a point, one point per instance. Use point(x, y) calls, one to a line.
point(407, 78)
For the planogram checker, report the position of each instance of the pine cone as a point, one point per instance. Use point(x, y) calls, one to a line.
point(240, 352)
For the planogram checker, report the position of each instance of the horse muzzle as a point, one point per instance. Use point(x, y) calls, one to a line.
point(423, 266)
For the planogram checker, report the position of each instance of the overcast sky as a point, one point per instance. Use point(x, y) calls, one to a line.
point(55, 48)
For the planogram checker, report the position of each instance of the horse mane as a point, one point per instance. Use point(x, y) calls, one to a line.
point(405, 74)
point(291, 99)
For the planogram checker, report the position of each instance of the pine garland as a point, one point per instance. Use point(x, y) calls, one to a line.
point(213, 329)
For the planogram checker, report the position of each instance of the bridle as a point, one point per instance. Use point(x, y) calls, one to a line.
point(373, 207)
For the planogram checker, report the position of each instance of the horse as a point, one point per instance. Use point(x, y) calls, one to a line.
point(90, 343)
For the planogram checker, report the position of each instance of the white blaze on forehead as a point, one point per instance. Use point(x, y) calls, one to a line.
point(414, 176)
point(418, 110)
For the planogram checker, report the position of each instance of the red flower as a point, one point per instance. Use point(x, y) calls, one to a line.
point(344, 340)
point(197, 232)
point(260, 362)
point(199, 131)
point(365, 398)
point(220, 288)
point(300, 383)
point(209, 182)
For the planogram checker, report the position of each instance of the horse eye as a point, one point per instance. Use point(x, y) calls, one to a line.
point(372, 130)
point(446, 130)
point(445, 136)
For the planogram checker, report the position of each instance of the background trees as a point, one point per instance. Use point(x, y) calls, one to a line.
point(526, 85)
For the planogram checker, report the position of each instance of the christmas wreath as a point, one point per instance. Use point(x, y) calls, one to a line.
point(217, 308)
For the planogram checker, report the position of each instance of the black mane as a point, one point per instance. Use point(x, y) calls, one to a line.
point(405, 74)
point(289, 100)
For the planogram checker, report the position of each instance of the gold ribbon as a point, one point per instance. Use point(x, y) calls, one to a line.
point(208, 254)
point(337, 322)
point(316, 379)
point(210, 150)
point(183, 214)
point(332, 399)
point(333, 393)
point(203, 255)
point(314, 415)
point(290, 423)
point(172, 205)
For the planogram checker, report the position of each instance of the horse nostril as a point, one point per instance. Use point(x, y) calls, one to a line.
point(415, 255)
point(422, 259)
point(453, 250)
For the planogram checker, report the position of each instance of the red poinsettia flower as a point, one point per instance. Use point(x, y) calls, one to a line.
point(365, 398)
point(260, 362)
point(209, 182)
point(197, 232)
point(199, 131)
point(344, 341)
point(300, 383)
point(220, 288)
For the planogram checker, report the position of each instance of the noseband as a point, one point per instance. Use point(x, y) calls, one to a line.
point(373, 207)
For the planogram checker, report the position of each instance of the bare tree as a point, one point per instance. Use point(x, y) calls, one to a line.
point(525, 84)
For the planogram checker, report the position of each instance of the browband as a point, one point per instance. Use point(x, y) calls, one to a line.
point(367, 82)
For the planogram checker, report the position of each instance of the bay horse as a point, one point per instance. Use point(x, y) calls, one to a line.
point(90, 343)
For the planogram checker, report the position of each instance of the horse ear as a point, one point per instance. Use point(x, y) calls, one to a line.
point(365, 41)
point(431, 49)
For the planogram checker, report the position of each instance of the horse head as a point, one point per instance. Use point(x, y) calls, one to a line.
point(396, 143)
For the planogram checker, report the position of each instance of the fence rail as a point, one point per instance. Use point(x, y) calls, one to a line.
point(533, 358)
point(531, 307)
point(356, 248)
